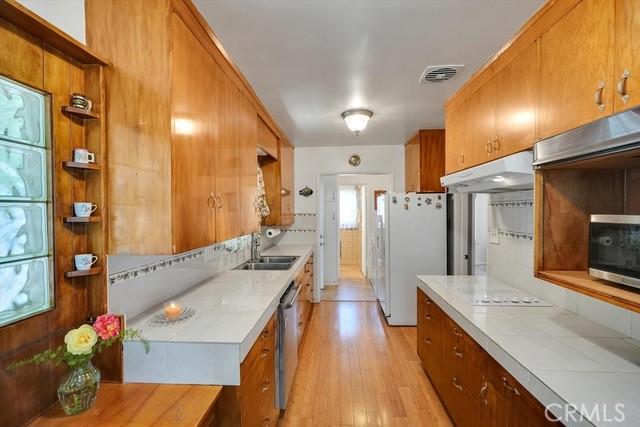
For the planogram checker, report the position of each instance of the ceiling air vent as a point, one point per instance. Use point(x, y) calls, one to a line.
point(440, 73)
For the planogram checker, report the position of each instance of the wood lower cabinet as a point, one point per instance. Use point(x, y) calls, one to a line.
point(474, 388)
point(424, 161)
point(305, 300)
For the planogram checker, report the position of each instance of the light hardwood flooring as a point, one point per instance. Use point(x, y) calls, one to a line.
point(352, 286)
point(355, 370)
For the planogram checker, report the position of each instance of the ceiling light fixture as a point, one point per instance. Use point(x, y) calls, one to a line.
point(357, 119)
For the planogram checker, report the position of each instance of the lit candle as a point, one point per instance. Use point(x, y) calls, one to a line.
point(172, 310)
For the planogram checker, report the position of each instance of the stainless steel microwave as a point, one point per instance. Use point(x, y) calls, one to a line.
point(614, 248)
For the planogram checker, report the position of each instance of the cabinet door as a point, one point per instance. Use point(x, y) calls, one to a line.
point(286, 173)
point(192, 142)
point(516, 97)
point(227, 155)
point(248, 167)
point(412, 165)
point(481, 125)
point(267, 140)
point(576, 68)
point(431, 166)
point(454, 138)
point(627, 60)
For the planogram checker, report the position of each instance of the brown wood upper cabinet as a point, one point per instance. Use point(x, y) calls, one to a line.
point(182, 130)
point(627, 61)
point(455, 137)
point(267, 140)
point(278, 181)
point(424, 161)
point(576, 67)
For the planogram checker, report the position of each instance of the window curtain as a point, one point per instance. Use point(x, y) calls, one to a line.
point(349, 207)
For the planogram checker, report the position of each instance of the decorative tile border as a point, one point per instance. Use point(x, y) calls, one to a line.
point(515, 235)
point(203, 254)
point(511, 203)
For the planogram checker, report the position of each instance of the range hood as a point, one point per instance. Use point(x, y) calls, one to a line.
point(612, 135)
point(511, 173)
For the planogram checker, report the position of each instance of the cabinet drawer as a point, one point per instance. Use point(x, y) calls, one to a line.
point(262, 354)
point(258, 399)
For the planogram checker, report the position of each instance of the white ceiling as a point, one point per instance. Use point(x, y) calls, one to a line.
point(309, 60)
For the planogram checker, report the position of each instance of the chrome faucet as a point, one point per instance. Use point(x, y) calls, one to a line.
point(255, 245)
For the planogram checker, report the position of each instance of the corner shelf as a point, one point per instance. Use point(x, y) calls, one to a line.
point(79, 113)
point(77, 219)
point(83, 273)
point(83, 166)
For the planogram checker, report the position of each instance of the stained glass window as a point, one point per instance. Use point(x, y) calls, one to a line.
point(26, 279)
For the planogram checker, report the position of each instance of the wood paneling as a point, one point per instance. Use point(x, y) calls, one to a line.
point(194, 137)
point(267, 140)
point(576, 55)
point(627, 46)
point(35, 63)
point(139, 124)
point(142, 405)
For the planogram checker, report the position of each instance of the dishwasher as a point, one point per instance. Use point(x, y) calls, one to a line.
point(287, 348)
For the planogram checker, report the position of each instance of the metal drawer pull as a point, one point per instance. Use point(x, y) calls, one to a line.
point(489, 146)
point(456, 384)
point(427, 316)
point(496, 144)
point(264, 353)
point(265, 386)
point(264, 334)
point(483, 393)
point(457, 332)
point(622, 86)
point(266, 422)
point(427, 301)
point(509, 387)
point(427, 340)
point(598, 95)
point(457, 352)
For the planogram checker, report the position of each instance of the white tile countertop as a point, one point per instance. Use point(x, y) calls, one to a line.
point(560, 357)
point(231, 309)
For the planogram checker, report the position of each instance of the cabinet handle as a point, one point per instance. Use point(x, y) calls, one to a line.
point(427, 301)
point(483, 393)
point(264, 334)
point(489, 146)
point(265, 386)
point(266, 422)
point(211, 202)
point(509, 387)
point(456, 384)
point(462, 158)
point(264, 353)
point(457, 351)
point(622, 86)
point(598, 95)
point(427, 316)
point(457, 332)
point(219, 201)
point(496, 144)
point(427, 340)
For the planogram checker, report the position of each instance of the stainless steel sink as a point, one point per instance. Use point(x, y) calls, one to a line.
point(277, 259)
point(264, 266)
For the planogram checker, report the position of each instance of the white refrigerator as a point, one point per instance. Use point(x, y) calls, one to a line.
point(411, 240)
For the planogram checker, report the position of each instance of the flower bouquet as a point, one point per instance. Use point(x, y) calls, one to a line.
point(77, 391)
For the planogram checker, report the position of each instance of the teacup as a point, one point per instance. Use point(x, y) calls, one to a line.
point(84, 261)
point(84, 209)
point(82, 155)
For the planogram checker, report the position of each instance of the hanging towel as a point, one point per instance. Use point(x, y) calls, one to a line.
point(262, 208)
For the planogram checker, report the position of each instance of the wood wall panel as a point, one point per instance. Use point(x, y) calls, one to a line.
point(139, 125)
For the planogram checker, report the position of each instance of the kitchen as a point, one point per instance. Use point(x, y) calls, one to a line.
point(173, 173)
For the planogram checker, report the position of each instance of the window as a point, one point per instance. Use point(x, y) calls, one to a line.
point(348, 207)
point(26, 279)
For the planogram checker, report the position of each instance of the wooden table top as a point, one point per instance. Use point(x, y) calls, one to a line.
point(141, 405)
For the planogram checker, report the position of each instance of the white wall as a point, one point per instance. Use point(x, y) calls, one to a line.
point(511, 261)
point(311, 161)
point(67, 15)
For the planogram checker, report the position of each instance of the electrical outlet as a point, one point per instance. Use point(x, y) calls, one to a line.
point(494, 236)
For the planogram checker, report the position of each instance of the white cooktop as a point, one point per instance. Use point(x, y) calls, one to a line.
point(500, 297)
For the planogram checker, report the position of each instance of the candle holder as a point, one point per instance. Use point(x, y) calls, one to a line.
point(160, 319)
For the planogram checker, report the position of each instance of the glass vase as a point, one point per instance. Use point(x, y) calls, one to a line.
point(78, 388)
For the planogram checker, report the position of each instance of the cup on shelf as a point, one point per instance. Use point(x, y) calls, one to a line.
point(82, 155)
point(79, 100)
point(84, 261)
point(84, 209)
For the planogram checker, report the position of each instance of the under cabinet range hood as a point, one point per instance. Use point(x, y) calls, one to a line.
point(510, 173)
point(610, 136)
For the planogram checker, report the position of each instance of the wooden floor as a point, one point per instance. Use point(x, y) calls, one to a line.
point(355, 370)
point(352, 286)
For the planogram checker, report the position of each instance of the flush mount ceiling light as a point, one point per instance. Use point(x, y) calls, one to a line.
point(357, 119)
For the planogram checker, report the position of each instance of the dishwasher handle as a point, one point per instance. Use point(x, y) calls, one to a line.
point(293, 299)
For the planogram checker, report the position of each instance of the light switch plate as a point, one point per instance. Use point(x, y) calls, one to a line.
point(494, 236)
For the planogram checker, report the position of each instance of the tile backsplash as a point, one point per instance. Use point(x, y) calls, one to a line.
point(511, 261)
point(137, 283)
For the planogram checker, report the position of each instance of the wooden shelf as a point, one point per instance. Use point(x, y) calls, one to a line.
point(580, 281)
point(84, 166)
point(79, 112)
point(82, 219)
point(83, 273)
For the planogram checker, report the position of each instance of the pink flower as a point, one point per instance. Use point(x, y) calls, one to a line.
point(107, 326)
